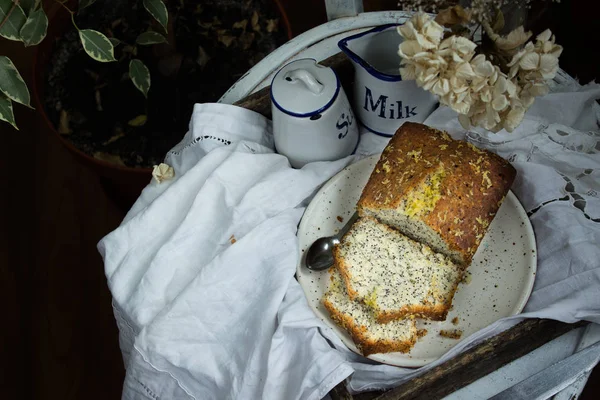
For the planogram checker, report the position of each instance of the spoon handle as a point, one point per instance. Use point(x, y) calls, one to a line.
point(348, 225)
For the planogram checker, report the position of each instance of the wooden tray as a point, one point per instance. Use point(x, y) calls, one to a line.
point(468, 366)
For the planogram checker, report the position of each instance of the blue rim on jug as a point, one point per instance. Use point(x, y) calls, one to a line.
point(310, 114)
point(343, 45)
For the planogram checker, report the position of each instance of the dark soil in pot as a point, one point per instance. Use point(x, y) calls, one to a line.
point(212, 44)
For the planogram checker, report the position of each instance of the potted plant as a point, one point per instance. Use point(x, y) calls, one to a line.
point(116, 81)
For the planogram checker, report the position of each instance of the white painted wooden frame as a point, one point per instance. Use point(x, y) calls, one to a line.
point(343, 8)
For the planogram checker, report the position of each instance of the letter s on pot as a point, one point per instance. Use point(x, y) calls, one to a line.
point(312, 117)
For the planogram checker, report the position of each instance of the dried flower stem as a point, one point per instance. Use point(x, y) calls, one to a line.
point(489, 31)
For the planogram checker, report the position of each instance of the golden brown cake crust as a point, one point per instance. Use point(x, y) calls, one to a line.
point(365, 345)
point(474, 185)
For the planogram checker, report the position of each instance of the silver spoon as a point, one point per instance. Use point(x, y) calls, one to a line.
point(320, 254)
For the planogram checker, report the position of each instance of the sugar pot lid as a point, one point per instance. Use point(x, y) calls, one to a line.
point(304, 88)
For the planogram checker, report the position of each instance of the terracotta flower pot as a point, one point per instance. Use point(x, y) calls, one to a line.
point(122, 184)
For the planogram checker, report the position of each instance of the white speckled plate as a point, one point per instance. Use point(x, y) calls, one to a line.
point(502, 271)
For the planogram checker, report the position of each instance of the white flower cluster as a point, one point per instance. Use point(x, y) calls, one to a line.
point(470, 84)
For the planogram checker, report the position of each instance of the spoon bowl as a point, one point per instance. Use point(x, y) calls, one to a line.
point(319, 256)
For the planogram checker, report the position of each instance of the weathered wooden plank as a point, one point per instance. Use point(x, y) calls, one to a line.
point(340, 393)
point(481, 360)
point(261, 100)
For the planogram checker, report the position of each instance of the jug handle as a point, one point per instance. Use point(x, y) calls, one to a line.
point(305, 77)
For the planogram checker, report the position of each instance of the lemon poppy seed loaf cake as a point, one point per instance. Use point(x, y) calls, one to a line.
point(437, 190)
point(369, 336)
point(394, 276)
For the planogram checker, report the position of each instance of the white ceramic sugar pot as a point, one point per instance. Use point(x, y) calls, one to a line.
point(312, 117)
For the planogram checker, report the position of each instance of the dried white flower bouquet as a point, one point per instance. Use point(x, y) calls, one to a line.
point(490, 86)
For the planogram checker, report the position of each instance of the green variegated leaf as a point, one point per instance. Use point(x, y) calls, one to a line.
point(6, 110)
point(140, 76)
point(27, 6)
point(97, 45)
point(11, 82)
point(115, 42)
point(12, 26)
point(34, 29)
point(158, 10)
point(147, 38)
point(85, 3)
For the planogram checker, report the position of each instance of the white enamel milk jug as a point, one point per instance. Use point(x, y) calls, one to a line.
point(382, 100)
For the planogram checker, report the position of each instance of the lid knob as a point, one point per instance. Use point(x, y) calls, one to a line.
point(305, 77)
point(304, 88)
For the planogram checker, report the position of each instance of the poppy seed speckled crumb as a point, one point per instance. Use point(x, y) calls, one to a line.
point(393, 275)
point(369, 336)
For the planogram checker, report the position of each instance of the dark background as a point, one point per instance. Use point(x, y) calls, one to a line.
point(58, 337)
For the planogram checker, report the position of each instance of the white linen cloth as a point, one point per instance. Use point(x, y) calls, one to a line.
point(202, 268)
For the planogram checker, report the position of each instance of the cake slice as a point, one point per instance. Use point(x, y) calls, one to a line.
point(393, 275)
point(369, 336)
point(436, 190)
